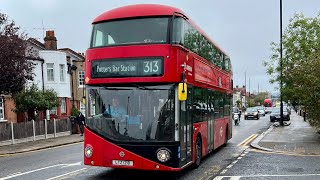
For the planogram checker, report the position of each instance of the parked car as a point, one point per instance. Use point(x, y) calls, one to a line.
point(287, 108)
point(251, 113)
point(268, 110)
point(261, 110)
point(275, 114)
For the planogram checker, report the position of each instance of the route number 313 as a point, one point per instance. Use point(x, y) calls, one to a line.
point(150, 67)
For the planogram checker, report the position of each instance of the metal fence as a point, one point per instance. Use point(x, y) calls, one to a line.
point(33, 130)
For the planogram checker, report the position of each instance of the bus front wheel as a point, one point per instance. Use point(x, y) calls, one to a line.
point(198, 151)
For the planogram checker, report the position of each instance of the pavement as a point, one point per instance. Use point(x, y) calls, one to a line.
point(40, 144)
point(297, 138)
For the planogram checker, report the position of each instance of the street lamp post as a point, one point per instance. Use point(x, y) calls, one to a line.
point(281, 104)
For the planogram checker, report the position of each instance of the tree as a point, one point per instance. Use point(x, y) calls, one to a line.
point(239, 103)
point(32, 99)
point(301, 60)
point(259, 98)
point(15, 69)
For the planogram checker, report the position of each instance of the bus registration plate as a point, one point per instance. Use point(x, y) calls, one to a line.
point(122, 163)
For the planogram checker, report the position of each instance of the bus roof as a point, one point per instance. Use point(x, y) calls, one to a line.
point(137, 10)
point(141, 10)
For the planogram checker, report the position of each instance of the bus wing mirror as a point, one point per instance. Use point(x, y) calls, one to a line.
point(182, 91)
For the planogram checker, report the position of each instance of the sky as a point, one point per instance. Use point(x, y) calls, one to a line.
point(244, 29)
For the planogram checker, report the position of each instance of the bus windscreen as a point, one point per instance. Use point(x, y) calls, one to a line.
point(130, 31)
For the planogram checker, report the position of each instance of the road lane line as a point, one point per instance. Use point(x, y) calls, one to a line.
point(72, 164)
point(218, 178)
point(250, 139)
point(245, 140)
point(235, 178)
point(285, 153)
point(13, 174)
point(40, 169)
point(67, 174)
point(234, 161)
point(266, 175)
point(224, 171)
point(28, 172)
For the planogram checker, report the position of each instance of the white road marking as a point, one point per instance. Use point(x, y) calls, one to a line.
point(218, 178)
point(264, 175)
point(228, 167)
point(67, 174)
point(74, 164)
point(234, 162)
point(224, 171)
point(35, 170)
point(235, 178)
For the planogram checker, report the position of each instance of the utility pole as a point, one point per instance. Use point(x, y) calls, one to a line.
point(245, 88)
point(249, 87)
point(281, 104)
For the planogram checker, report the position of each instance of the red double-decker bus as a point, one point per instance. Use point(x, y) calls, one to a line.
point(158, 91)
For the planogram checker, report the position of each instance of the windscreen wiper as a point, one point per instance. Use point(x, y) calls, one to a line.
point(116, 88)
point(146, 88)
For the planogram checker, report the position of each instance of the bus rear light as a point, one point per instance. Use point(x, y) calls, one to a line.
point(163, 155)
point(88, 151)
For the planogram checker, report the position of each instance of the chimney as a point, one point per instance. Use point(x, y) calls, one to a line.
point(50, 41)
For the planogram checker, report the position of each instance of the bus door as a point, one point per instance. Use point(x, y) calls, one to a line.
point(186, 128)
point(210, 117)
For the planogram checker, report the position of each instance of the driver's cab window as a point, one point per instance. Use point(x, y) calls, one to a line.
point(98, 39)
point(101, 39)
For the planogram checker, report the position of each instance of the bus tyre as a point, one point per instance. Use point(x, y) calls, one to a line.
point(198, 152)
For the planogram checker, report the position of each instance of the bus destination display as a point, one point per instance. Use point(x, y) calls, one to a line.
point(127, 67)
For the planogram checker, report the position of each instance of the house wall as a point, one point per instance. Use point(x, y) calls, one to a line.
point(57, 58)
point(37, 78)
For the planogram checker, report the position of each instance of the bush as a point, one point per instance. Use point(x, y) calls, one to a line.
point(74, 112)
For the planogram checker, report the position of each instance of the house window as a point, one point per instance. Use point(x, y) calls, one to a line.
point(50, 72)
point(63, 105)
point(81, 78)
point(1, 108)
point(62, 74)
point(82, 108)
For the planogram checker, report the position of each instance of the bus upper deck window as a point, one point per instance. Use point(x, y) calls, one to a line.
point(98, 39)
point(110, 40)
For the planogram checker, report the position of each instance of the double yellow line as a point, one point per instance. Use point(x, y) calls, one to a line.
point(248, 140)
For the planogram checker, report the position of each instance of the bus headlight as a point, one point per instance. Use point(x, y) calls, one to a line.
point(88, 151)
point(163, 155)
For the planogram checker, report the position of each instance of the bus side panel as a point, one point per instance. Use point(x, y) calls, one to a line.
point(104, 152)
point(200, 128)
point(220, 127)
